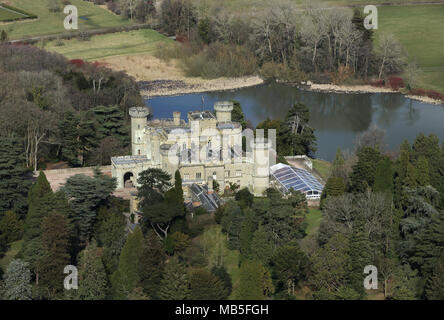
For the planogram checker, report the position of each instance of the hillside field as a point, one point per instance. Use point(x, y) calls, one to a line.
point(107, 45)
point(420, 29)
point(8, 14)
point(90, 17)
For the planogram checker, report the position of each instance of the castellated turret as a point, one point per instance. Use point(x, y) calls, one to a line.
point(261, 165)
point(139, 116)
point(223, 111)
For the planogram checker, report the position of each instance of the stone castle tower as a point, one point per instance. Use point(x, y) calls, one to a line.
point(139, 116)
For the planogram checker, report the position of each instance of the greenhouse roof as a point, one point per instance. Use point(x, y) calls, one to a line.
point(294, 178)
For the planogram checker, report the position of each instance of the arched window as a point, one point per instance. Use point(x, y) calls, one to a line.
point(138, 151)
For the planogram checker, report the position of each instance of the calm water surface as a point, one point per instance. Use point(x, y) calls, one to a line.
point(336, 117)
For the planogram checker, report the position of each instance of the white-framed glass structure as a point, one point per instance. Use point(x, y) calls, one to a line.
point(287, 177)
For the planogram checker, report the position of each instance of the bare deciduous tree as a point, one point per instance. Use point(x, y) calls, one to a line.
point(391, 54)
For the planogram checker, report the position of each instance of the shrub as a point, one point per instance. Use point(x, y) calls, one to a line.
point(221, 60)
point(427, 93)
point(281, 71)
point(396, 83)
point(77, 62)
point(342, 75)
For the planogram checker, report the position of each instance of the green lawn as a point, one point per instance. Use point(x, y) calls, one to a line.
point(216, 244)
point(107, 45)
point(9, 14)
point(313, 219)
point(421, 31)
point(13, 250)
point(90, 17)
point(323, 168)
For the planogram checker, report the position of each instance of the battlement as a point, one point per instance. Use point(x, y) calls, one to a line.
point(139, 112)
point(223, 106)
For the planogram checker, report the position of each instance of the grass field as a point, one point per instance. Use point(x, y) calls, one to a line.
point(113, 44)
point(313, 219)
point(421, 31)
point(13, 250)
point(90, 17)
point(10, 14)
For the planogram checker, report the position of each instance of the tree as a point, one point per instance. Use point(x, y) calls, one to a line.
point(334, 187)
point(151, 266)
point(338, 169)
point(246, 234)
point(422, 171)
point(145, 9)
point(86, 195)
point(128, 7)
point(331, 264)
point(373, 137)
point(13, 185)
point(55, 243)
point(180, 241)
point(405, 283)
point(17, 281)
point(224, 276)
point(111, 236)
point(3, 36)
point(390, 54)
point(92, 275)
point(178, 17)
point(296, 133)
point(111, 123)
point(363, 175)
point(33, 249)
point(175, 284)
point(428, 243)
point(255, 281)
point(360, 256)
point(290, 266)
point(434, 289)
point(206, 286)
point(69, 132)
point(261, 246)
point(232, 223)
point(384, 176)
point(237, 115)
point(244, 197)
point(11, 228)
point(126, 277)
point(39, 189)
point(153, 183)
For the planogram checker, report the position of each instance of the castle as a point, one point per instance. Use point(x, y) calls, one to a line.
point(207, 148)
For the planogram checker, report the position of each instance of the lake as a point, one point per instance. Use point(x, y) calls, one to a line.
point(336, 117)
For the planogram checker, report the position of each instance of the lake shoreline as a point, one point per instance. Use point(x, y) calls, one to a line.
point(360, 89)
point(163, 88)
point(169, 87)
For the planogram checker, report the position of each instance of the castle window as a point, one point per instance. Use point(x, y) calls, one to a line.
point(238, 173)
point(186, 176)
point(227, 174)
point(138, 126)
point(198, 175)
point(138, 151)
point(138, 139)
point(214, 175)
